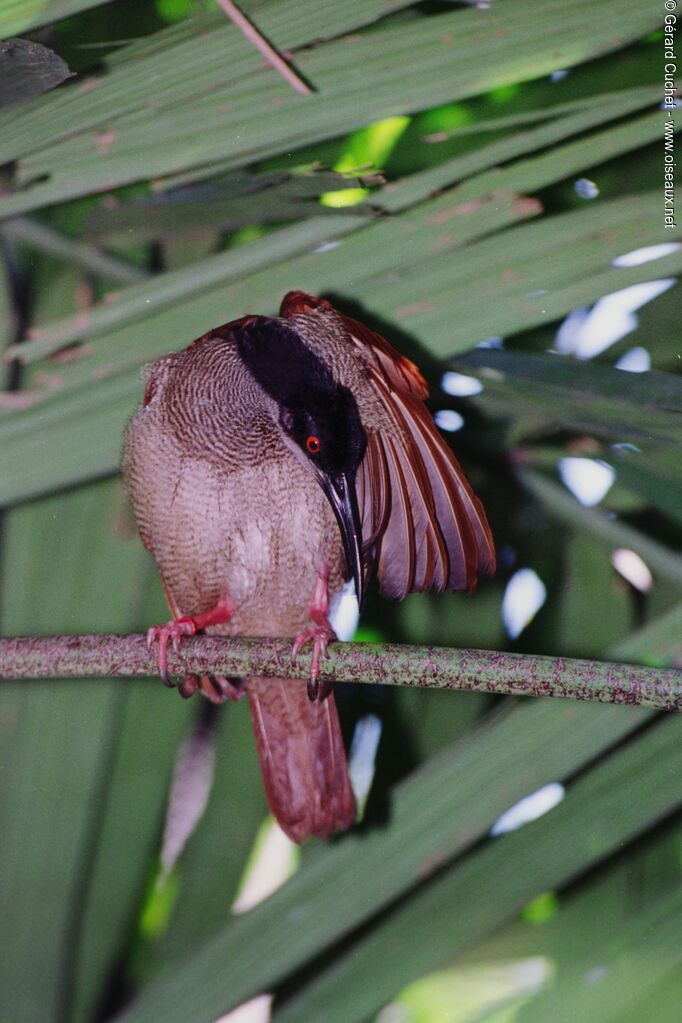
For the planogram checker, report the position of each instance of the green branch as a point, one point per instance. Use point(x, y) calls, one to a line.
point(388, 664)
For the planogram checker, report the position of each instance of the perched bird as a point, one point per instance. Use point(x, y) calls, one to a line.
point(270, 461)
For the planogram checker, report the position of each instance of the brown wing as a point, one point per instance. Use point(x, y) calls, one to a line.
point(421, 520)
point(431, 529)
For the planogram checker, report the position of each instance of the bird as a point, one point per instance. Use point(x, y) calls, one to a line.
point(272, 462)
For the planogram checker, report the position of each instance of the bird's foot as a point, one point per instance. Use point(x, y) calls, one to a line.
point(162, 635)
point(320, 633)
point(174, 631)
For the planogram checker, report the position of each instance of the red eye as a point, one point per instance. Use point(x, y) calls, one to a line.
point(313, 444)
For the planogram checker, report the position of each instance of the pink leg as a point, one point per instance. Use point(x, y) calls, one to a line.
point(172, 632)
point(321, 633)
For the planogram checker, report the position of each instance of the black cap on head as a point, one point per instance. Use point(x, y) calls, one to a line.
point(319, 414)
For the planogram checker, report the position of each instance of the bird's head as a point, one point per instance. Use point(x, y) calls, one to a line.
point(318, 417)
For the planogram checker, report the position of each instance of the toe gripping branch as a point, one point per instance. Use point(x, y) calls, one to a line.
point(174, 631)
point(320, 633)
point(162, 635)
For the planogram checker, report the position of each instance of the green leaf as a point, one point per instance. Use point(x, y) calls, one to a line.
point(18, 16)
point(59, 741)
point(561, 504)
point(657, 477)
point(231, 203)
point(603, 984)
point(211, 868)
point(437, 814)
point(579, 395)
point(454, 55)
point(126, 824)
point(557, 163)
point(657, 642)
point(610, 805)
point(74, 434)
point(595, 610)
point(481, 234)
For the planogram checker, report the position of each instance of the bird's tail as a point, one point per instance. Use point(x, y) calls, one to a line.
point(302, 758)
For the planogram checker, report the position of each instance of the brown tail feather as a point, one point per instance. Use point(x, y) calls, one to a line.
point(302, 758)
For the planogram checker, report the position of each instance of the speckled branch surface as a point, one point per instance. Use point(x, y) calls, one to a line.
point(427, 667)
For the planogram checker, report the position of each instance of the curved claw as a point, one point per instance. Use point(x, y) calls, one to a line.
point(174, 631)
point(161, 635)
point(321, 634)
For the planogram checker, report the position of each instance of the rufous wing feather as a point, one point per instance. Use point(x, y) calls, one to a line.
point(421, 522)
point(428, 528)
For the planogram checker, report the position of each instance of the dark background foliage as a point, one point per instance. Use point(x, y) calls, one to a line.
point(173, 182)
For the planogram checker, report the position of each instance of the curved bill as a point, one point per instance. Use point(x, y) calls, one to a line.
point(341, 495)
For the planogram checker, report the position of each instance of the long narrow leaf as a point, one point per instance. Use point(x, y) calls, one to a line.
point(455, 55)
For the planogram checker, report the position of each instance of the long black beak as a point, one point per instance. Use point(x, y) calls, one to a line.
point(340, 492)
